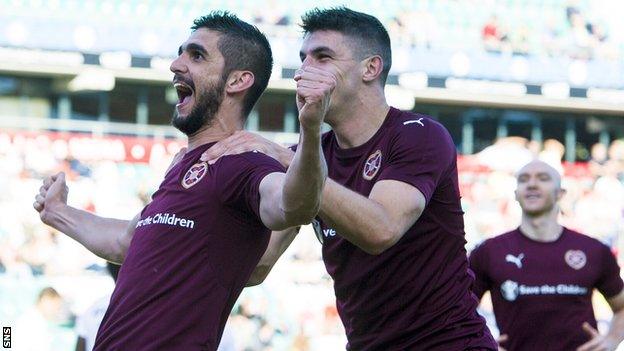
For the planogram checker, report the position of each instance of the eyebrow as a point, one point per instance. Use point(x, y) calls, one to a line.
point(318, 50)
point(192, 47)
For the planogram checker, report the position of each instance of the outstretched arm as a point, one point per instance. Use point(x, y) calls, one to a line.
point(108, 238)
point(294, 198)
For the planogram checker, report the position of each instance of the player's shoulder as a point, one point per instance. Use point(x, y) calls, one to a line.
point(248, 160)
point(584, 240)
point(498, 240)
point(412, 121)
point(413, 128)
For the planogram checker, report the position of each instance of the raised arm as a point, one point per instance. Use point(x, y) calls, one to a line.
point(108, 238)
point(294, 198)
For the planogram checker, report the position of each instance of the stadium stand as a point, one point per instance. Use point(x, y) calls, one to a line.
point(85, 88)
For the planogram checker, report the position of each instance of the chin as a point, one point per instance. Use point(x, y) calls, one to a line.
point(536, 211)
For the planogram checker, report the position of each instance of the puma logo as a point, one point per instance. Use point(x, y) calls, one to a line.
point(515, 260)
point(414, 121)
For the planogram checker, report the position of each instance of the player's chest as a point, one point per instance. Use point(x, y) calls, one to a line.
point(359, 172)
point(182, 200)
point(524, 273)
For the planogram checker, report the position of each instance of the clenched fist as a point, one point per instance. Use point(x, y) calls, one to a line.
point(52, 196)
point(314, 89)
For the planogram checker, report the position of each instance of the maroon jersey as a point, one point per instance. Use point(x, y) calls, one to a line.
point(193, 250)
point(416, 295)
point(541, 291)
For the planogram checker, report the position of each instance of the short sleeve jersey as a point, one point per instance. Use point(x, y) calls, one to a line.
point(415, 295)
point(194, 248)
point(541, 291)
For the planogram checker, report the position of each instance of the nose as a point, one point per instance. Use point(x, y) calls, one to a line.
point(308, 61)
point(532, 182)
point(178, 66)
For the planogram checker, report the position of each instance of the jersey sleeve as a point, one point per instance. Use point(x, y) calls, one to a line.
point(239, 178)
point(610, 283)
point(420, 156)
point(478, 265)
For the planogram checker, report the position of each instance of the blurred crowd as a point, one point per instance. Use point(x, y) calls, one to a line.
point(579, 38)
point(565, 29)
point(47, 280)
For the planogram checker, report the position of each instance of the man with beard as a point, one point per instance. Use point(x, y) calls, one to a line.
point(391, 222)
point(188, 254)
point(541, 275)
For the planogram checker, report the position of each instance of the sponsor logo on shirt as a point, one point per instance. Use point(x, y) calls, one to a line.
point(517, 260)
point(321, 233)
point(194, 174)
point(511, 290)
point(372, 165)
point(167, 219)
point(575, 259)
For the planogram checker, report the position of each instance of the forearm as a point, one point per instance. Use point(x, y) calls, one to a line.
point(301, 196)
point(360, 220)
point(98, 234)
point(616, 329)
point(277, 245)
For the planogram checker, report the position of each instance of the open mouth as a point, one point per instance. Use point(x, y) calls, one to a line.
point(185, 93)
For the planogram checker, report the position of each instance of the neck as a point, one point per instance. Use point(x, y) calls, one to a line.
point(222, 126)
point(358, 122)
point(543, 227)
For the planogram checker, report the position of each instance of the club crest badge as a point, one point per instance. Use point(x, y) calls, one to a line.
point(194, 174)
point(575, 259)
point(372, 165)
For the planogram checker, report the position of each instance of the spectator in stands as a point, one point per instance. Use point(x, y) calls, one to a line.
point(541, 275)
point(520, 40)
point(88, 323)
point(34, 329)
point(581, 47)
point(495, 38)
point(598, 159)
point(551, 38)
point(616, 157)
point(553, 153)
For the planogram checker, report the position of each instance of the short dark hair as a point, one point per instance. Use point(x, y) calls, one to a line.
point(243, 47)
point(371, 36)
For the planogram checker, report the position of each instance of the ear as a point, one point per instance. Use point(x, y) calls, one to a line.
point(373, 67)
point(239, 81)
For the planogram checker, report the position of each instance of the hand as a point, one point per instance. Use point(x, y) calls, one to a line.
point(176, 158)
point(243, 141)
point(597, 342)
point(314, 89)
point(500, 340)
point(52, 196)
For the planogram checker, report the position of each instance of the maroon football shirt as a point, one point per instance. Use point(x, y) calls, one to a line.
point(193, 250)
point(416, 295)
point(541, 291)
